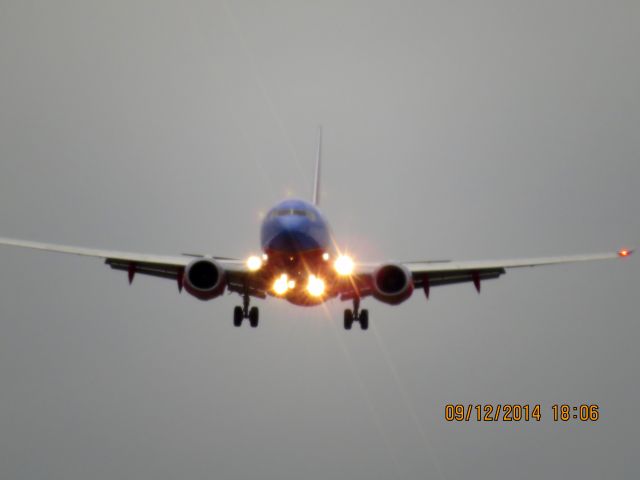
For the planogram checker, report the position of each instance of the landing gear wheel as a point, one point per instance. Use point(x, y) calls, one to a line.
point(238, 315)
point(348, 319)
point(363, 318)
point(254, 315)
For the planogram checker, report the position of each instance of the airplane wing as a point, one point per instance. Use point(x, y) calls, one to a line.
point(427, 274)
point(435, 274)
point(164, 266)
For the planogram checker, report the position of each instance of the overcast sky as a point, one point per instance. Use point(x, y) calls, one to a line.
point(463, 130)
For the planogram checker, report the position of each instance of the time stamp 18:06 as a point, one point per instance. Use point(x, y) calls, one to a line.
point(490, 412)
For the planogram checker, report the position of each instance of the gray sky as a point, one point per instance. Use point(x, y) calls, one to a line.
point(452, 130)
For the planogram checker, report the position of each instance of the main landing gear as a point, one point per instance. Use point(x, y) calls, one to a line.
point(356, 315)
point(240, 313)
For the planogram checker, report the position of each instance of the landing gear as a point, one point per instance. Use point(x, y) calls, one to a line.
point(254, 315)
point(356, 315)
point(238, 316)
point(348, 319)
point(240, 313)
point(364, 319)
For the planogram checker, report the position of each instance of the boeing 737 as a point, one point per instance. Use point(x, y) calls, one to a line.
point(300, 263)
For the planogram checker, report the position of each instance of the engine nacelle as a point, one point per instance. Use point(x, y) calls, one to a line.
point(204, 279)
point(392, 284)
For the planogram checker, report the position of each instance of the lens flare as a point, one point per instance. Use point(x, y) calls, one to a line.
point(344, 265)
point(315, 287)
point(254, 263)
point(281, 284)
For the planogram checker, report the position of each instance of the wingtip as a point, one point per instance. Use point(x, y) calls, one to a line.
point(625, 252)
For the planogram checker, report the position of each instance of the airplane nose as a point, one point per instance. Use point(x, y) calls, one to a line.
point(292, 234)
point(291, 223)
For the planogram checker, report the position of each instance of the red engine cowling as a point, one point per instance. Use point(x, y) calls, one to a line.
point(204, 279)
point(392, 284)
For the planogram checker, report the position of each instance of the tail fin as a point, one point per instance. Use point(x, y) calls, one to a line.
point(316, 182)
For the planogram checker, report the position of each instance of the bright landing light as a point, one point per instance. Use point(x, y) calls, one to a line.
point(254, 263)
point(281, 285)
point(344, 265)
point(315, 287)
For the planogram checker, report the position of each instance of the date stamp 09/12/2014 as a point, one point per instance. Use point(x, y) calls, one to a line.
point(508, 412)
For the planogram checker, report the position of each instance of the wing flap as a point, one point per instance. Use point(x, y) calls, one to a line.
point(152, 269)
point(435, 279)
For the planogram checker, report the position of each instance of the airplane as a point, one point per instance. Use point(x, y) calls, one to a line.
point(300, 263)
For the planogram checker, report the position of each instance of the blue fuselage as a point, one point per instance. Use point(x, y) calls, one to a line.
point(297, 243)
point(294, 228)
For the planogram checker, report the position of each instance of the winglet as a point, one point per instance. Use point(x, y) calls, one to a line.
point(316, 182)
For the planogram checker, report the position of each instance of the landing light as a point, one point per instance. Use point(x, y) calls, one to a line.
point(624, 252)
point(325, 256)
point(281, 285)
point(344, 265)
point(315, 287)
point(254, 263)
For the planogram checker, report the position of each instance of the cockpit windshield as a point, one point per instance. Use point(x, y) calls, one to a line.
point(293, 211)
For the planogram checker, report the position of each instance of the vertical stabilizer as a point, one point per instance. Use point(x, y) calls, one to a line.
point(316, 181)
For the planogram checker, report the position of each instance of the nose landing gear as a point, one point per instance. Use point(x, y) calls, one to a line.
point(356, 315)
point(240, 313)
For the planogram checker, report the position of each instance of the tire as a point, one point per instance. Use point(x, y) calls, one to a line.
point(348, 319)
point(254, 315)
point(364, 319)
point(237, 316)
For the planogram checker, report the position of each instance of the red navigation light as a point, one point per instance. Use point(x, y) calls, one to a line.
point(624, 252)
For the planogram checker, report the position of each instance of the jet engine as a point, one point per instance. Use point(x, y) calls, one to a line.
point(392, 284)
point(204, 279)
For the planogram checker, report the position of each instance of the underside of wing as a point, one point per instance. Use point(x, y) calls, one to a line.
point(373, 279)
point(428, 275)
point(164, 266)
point(451, 266)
